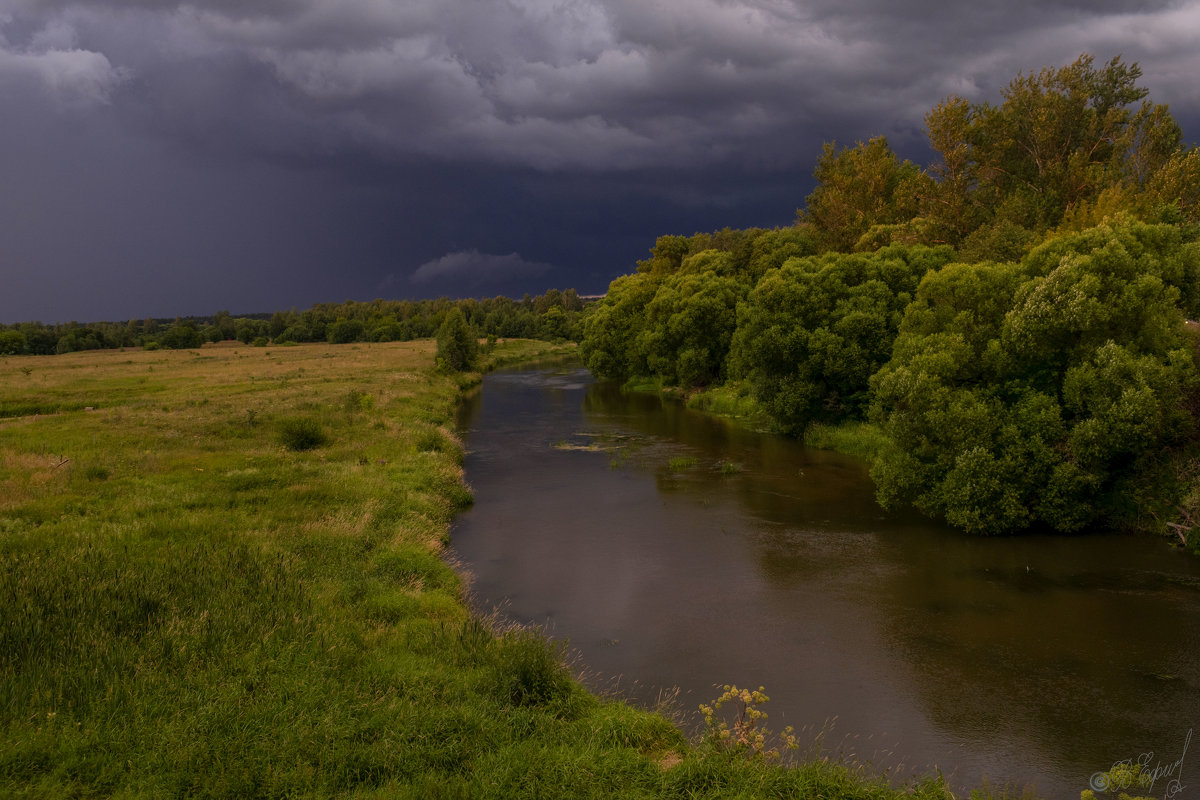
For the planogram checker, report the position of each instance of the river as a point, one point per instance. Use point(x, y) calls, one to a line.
point(673, 549)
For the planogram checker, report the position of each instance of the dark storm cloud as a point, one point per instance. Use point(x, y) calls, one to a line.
point(569, 85)
point(558, 129)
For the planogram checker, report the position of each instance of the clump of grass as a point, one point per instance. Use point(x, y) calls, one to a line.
point(644, 385)
point(853, 438)
point(430, 440)
point(95, 472)
point(680, 463)
point(732, 400)
point(528, 669)
point(729, 468)
point(302, 433)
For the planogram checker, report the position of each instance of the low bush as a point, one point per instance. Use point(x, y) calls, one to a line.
point(302, 434)
point(528, 669)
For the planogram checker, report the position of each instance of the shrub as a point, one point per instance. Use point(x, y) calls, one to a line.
point(302, 434)
point(359, 401)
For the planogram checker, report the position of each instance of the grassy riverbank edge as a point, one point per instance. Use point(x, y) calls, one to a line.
point(1164, 501)
point(733, 401)
point(195, 602)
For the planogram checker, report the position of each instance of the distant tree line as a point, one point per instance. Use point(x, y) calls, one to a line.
point(1012, 318)
point(553, 316)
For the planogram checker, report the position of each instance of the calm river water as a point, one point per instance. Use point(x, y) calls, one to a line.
point(614, 521)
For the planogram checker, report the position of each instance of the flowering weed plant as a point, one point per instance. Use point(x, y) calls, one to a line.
point(748, 734)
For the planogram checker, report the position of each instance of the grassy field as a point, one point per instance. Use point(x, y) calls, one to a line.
point(221, 576)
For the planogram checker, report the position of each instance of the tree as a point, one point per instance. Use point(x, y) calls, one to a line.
point(181, 336)
point(280, 321)
point(571, 300)
point(771, 248)
point(1074, 145)
point(1022, 394)
point(12, 342)
point(457, 346)
point(39, 340)
point(949, 200)
point(555, 326)
point(857, 188)
point(812, 332)
point(344, 331)
point(226, 326)
point(613, 325)
point(1173, 190)
point(688, 327)
point(666, 256)
point(937, 397)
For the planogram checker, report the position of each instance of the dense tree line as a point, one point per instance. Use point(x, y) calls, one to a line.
point(551, 316)
point(676, 315)
point(1012, 318)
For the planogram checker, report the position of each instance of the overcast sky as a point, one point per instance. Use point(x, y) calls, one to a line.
point(162, 158)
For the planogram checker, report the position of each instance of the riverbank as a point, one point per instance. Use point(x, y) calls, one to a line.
point(1172, 513)
point(220, 576)
point(733, 401)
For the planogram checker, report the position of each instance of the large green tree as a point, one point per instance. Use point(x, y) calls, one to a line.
point(1073, 145)
point(689, 324)
point(613, 325)
point(813, 331)
point(858, 188)
point(1020, 394)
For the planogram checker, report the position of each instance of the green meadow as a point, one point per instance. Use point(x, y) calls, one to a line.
point(222, 574)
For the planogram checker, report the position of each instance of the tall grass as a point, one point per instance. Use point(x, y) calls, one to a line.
point(191, 607)
point(732, 400)
point(853, 438)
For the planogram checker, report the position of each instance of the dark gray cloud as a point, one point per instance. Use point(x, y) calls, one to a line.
point(308, 150)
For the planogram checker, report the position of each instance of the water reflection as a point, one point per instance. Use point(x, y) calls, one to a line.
point(614, 519)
